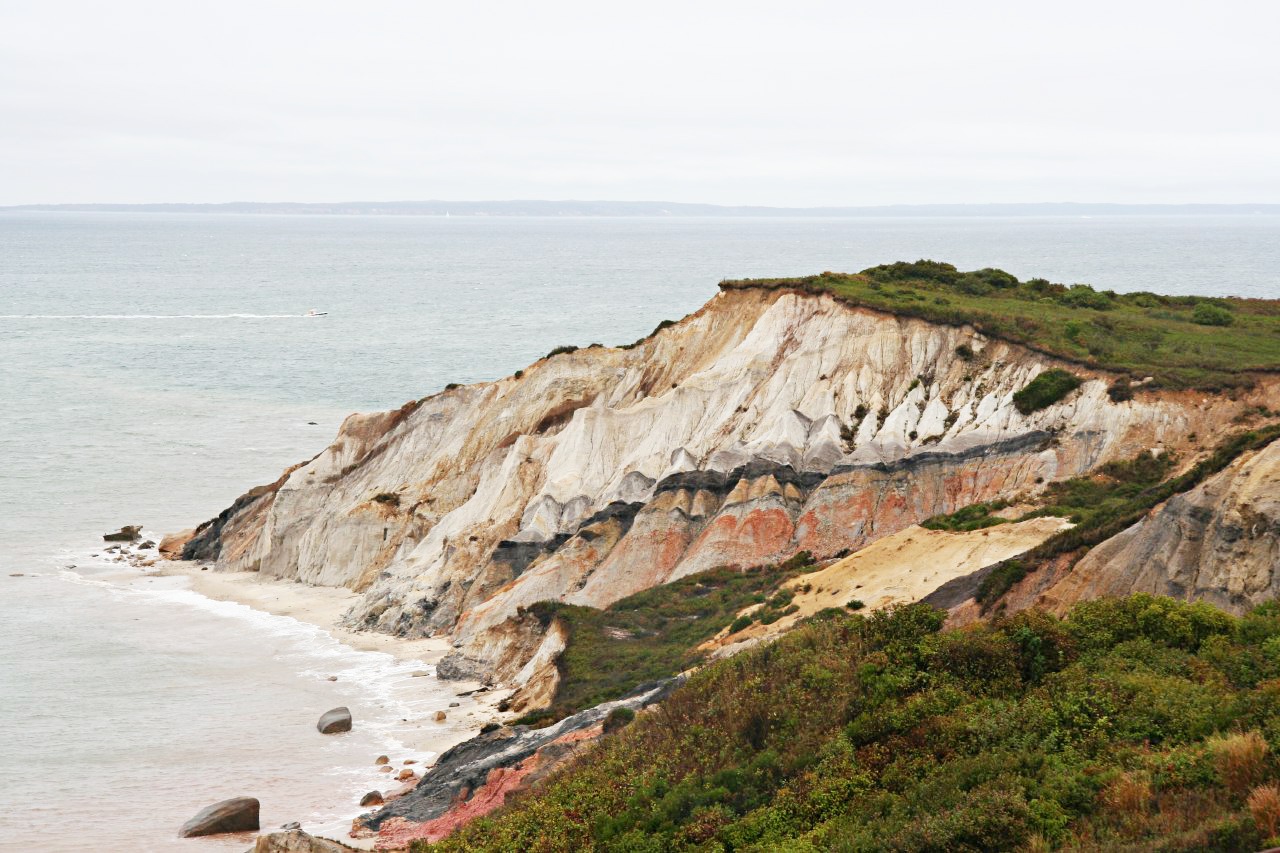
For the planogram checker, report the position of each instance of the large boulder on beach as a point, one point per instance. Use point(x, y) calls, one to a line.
point(296, 841)
point(337, 720)
point(238, 814)
point(128, 533)
point(171, 546)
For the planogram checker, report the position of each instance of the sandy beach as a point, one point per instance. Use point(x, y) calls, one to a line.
point(324, 608)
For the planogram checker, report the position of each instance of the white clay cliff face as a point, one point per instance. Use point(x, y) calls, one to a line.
point(766, 423)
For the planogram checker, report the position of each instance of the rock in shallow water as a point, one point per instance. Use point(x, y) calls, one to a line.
point(373, 798)
point(238, 814)
point(128, 533)
point(337, 720)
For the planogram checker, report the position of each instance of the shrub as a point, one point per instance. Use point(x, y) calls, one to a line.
point(618, 718)
point(1120, 391)
point(561, 350)
point(855, 605)
point(972, 517)
point(965, 352)
point(387, 498)
point(1046, 389)
point(1206, 314)
point(1084, 296)
point(1239, 759)
point(452, 385)
point(1264, 805)
point(519, 374)
point(1128, 793)
point(740, 624)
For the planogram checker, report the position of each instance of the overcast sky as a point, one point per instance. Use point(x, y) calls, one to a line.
point(785, 103)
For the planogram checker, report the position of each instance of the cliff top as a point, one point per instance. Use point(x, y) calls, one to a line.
point(1208, 343)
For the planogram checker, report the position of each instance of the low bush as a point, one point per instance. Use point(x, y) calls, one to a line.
point(1046, 389)
point(1206, 314)
point(618, 719)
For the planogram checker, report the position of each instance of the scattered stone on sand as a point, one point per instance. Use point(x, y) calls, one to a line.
point(293, 824)
point(334, 721)
point(411, 761)
point(296, 841)
point(16, 574)
point(382, 759)
point(420, 673)
point(386, 768)
point(128, 533)
point(406, 775)
point(333, 678)
point(238, 814)
point(146, 546)
point(373, 798)
point(455, 704)
point(440, 716)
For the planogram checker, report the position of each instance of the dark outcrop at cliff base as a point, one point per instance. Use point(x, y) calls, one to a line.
point(475, 777)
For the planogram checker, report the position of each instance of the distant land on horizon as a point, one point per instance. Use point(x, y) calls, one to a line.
point(653, 209)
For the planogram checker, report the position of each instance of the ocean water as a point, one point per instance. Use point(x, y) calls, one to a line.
point(153, 366)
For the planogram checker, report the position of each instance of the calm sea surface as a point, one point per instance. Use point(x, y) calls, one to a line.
point(154, 366)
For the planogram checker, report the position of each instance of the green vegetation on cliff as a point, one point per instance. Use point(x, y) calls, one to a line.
point(1139, 723)
point(651, 635)
point(1181, 341)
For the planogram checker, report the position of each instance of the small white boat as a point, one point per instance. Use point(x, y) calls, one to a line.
point(314, 313)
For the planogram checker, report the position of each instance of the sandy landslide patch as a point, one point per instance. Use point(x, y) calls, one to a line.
point(901, 568)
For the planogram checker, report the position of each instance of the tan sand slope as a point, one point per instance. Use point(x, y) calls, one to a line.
point(901, 568)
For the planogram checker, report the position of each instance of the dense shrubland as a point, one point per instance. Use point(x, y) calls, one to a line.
point(1140, 723)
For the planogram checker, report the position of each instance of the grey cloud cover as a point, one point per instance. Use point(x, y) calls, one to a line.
point(802, 103)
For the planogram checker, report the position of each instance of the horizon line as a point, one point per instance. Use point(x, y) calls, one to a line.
point(625, 207)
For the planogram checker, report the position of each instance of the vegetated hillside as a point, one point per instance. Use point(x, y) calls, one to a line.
point(1140, 723)
point(653, 634)
point(1180, 341)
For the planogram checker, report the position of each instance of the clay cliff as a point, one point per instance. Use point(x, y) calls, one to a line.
point(1218, 542)
point(768, 422)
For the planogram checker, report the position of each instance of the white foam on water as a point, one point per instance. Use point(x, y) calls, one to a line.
point(386, 700)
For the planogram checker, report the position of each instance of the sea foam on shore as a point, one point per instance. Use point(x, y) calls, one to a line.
point(186, 695)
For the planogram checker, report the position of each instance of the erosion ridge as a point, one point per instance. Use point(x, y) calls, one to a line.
point(768, 422)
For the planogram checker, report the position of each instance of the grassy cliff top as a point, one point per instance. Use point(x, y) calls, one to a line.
point(1209, 343)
